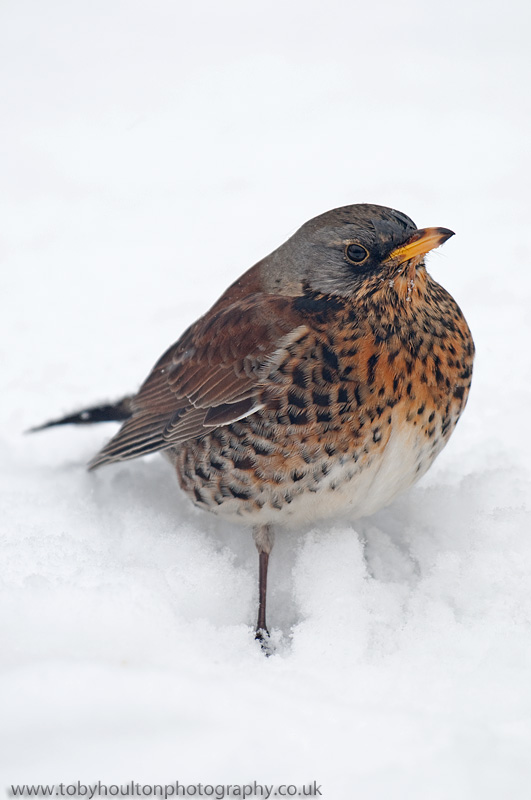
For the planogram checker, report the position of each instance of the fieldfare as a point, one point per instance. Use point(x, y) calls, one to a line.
point(322, 383)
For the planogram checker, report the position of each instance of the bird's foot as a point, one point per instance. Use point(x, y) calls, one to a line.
point(262, 636)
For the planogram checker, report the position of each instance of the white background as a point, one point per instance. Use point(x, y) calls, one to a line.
point(150, 152)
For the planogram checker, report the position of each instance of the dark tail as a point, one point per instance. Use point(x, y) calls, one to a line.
point(110, 412)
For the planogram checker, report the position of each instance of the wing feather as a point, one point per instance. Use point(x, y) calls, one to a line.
point(211, 377)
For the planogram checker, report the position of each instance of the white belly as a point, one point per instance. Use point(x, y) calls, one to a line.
point(361, 491)
point(351, 489)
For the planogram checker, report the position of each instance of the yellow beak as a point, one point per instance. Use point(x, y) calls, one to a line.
point(422, 241)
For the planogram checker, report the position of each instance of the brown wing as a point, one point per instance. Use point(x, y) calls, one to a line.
point(210, 377)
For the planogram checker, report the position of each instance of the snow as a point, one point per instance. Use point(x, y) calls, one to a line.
point(151, 153)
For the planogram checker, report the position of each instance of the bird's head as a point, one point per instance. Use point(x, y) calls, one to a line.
point(354, 250)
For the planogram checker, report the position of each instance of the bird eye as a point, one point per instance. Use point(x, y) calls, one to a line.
point(356, 254)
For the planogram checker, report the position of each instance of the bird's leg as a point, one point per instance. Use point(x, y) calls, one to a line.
point(263, 538)
point(261, 625)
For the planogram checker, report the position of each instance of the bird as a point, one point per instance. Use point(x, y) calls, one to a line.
point(322, 384)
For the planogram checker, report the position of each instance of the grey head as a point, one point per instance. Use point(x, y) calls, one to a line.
point(341, 250)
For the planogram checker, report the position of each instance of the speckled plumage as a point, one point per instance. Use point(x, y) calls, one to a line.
point(349, 381)
point(316, 386)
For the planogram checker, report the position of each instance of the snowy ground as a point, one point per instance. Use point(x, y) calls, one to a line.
point(150, 153)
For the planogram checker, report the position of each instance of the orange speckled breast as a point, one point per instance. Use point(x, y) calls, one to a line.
point(354, 411)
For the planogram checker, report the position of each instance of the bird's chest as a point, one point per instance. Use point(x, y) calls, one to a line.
point(346, 386)
point(351, 428)
point(350, 418)
point(361, 481)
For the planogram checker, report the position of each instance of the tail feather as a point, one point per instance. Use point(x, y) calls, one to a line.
point(137, 437)
point(108, 412)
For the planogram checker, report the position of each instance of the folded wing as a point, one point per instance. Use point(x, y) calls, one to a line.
point(212, 376)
